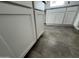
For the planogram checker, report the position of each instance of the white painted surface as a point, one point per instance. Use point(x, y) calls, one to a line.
point(12, 9)
point(55, 16)
point(25, 3)
point(61, 16)
point(70, 15)
point(69, 18)
point(73, 9)
point(56, 10)
point(17, 30)
point(39, 5)
point(39, 22)
point(5, 51)
point(76, 22)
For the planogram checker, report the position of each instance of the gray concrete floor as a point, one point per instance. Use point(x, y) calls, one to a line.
point(56, 42)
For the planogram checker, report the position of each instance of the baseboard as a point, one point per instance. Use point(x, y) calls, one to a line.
point(61, 25)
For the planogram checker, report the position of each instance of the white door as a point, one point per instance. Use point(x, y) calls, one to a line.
point(59, 18)
point(50, 18)
point(69, 18)
point(54, 18)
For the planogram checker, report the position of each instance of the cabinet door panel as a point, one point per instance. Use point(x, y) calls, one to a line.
point(18, 32)
point(54, 18)
point(50, 18)
point(69, 17)
point(59, 18)
point(74, 9)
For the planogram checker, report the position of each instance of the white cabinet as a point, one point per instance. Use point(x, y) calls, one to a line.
point(61, 16)
point(69, 18)
point(39, 22)
point(17, 30)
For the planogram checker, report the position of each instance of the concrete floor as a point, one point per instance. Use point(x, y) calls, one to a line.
point(56, 42)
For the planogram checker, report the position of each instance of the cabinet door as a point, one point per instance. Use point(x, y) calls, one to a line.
point(50, 18)
point(73, 9)
point(54, 18)
point(39, 22)
point(69, 18)
point(59, 18)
